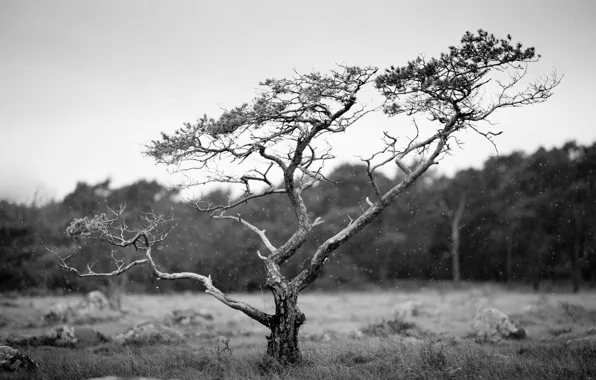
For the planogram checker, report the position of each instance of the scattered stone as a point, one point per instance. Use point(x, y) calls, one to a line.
point(87, 337)
point(59, 313)
point(4, 303)
point(321, 338)
point(493, 325)
point(559, 331)
point(561, 312)
point(385, 328)
point(408, 310)
point(94, 301)
point(148, 333)
point(62, 336)
point(94, 307)
point(189, 317)
point(356, 334)
point(12, 360)
point(583, 342)
point(591, 331)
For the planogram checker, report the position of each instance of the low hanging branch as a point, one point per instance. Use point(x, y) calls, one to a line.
point(277, 144)
point(114, 233)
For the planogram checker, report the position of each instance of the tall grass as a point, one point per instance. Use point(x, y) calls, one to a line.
point(373, 358)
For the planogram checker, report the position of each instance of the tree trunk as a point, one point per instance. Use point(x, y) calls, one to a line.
point(576, 267)
point(509, 258)
point(455, 226)
point(576, 260)
point(285, 324)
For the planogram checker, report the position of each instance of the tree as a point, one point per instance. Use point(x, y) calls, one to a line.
point(455, 218)
point(283, 135)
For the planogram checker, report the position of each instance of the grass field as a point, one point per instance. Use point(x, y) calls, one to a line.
point(442, 348)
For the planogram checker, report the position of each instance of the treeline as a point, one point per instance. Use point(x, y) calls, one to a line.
point(523, 218)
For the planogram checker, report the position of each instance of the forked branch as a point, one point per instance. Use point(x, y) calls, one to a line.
point(261, 233)
point(115, 233)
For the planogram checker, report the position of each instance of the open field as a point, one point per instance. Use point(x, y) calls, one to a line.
point(445, 350)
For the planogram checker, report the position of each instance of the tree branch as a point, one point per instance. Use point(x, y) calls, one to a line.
point(113, 234)
point(261, 233)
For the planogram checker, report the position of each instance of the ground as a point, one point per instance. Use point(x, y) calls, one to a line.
point(233, 346)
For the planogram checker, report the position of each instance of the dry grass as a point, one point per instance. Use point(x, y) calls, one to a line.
point(371, 359)
point(446, 312)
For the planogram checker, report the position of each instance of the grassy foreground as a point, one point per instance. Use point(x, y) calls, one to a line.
point(435, 346)
point(370, 359)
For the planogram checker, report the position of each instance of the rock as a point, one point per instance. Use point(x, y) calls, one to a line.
point(87, 337)
point(62, 336)
point(190, 316)
point(59, 313)
point(94, 307)
point(356, 334)
point(562, 312)
point(94, 301)
point(322, 338)
point(12, 360)
point(583, 342)
point(147, 333)
point(408, 309)
point(493, 325)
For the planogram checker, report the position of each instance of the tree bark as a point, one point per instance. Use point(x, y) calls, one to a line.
point(455, 226)
point(285, 324)
point(576, 254)
point(576, 267)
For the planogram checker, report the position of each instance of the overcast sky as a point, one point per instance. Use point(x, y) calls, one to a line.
point(84, 84)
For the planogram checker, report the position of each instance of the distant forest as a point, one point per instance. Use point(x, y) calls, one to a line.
point(521, 218)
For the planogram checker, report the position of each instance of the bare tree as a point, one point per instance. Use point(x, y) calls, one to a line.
point(282, 135)
point(455, 218)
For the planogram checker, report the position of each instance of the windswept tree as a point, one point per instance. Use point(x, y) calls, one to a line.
point(278, 145)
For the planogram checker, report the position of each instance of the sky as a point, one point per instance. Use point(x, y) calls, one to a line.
point(85, 84)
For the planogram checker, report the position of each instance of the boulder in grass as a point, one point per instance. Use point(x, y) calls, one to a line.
point(62, 336)
point(11, 360)
point(493, 325)
point(149, 333)
point(59, 313)
point(94, 301)
point(88, 337)
point(584, 342)
point(356, 334)
point(321, 338)
point(407, 310)
point(94, 307)
point(190, 317)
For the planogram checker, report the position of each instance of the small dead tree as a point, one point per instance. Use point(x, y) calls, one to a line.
point(282, 135)
point(455, 218)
